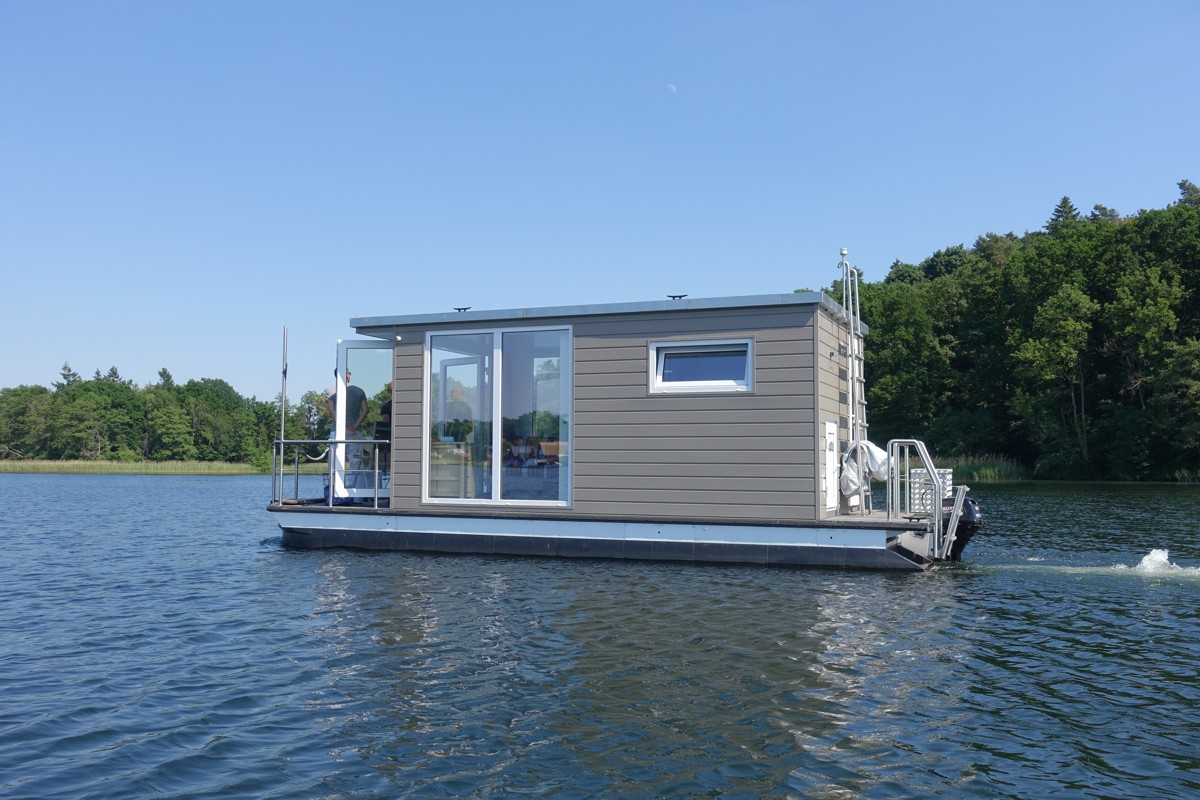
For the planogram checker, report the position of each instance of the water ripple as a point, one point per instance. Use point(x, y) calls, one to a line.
point(157, 642)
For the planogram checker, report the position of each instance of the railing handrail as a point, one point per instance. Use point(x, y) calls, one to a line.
point(278, 467)
point(331, 441)
point(900, 472)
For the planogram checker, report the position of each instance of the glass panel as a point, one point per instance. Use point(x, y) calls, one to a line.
point(460, 411)
point(354, 404)
point(368, 371)
point(535, 407)
point(706, 365)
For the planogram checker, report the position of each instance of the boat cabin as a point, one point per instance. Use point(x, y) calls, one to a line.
point(725, 409)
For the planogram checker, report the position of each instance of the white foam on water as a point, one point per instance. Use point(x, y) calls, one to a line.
point(1158, 562)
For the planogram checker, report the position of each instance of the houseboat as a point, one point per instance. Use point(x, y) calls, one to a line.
point(706, 430)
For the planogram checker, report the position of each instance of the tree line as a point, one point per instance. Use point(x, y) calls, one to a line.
point(109, 418)
point(1074, 349)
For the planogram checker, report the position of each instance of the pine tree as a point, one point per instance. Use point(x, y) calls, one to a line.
point(1065, 215)
point(1189, 193)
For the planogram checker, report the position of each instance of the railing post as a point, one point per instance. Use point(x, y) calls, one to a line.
point(375, 459)
point(331, 460)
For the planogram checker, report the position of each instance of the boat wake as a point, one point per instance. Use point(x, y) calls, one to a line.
point(1155, 563)
point(1158, 562)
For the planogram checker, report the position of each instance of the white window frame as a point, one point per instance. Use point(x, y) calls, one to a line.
point(566, 367)
point(660, 349)
point(339, 488)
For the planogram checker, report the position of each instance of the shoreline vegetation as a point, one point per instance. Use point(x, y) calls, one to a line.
point(101, 467)
point(84, 467)
point(967, 469)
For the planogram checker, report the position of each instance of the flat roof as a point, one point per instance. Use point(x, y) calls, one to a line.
point(382, 326)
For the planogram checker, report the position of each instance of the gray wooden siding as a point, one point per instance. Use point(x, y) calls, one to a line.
point(729, 456)
point(736, 456)
point(406, 420)
point(832, 405)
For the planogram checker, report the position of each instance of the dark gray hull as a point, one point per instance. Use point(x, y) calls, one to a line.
point(867, 545)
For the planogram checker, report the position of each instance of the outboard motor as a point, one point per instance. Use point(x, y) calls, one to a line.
point(969, 523)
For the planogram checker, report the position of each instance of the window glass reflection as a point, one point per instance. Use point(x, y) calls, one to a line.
point(460, 451)
point(535, 404)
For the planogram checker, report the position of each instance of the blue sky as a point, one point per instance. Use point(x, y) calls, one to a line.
point(179, 180)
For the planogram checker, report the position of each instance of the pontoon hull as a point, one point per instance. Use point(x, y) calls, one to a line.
point(864, 546)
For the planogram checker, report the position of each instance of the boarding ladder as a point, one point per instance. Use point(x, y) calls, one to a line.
point(855, 379)
point(915, 487)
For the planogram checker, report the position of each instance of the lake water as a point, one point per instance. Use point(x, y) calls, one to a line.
point(156, 641)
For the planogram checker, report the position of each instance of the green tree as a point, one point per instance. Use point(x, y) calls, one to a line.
point(1050, 362)
point(101, 418)
point(168, 430)
point(313, 414)
point(977, 307)
point(1105, 213)
point(947, 262)
point(1065, 215)
point(217, 415)
point(1189, 193)
point(904, 273)
point(905, 365)
point(23, 416)
point(1177, 399)
point(69, 377)
point(1141, 322)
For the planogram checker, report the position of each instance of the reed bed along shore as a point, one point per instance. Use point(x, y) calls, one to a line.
point(984, 469)
point(132, 467)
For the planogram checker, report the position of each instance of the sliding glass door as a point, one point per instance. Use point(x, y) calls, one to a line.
point(499, 415)
point(535, 403)
point(460, 403)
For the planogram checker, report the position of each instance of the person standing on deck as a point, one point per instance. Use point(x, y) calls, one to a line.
point(356, 402)
point(357, 409)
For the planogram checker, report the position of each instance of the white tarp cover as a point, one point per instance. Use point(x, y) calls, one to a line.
point(875, 460)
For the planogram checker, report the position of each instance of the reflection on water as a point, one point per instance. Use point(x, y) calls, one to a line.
point(659, 683)
point(171, 648)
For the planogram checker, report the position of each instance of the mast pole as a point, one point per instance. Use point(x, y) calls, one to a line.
point(283, 391)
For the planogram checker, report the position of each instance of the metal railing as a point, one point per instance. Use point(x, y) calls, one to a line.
point(279, 466)
point(916, 492)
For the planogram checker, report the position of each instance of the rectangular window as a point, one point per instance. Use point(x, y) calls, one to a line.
point(715, 365)
point(499, 405)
